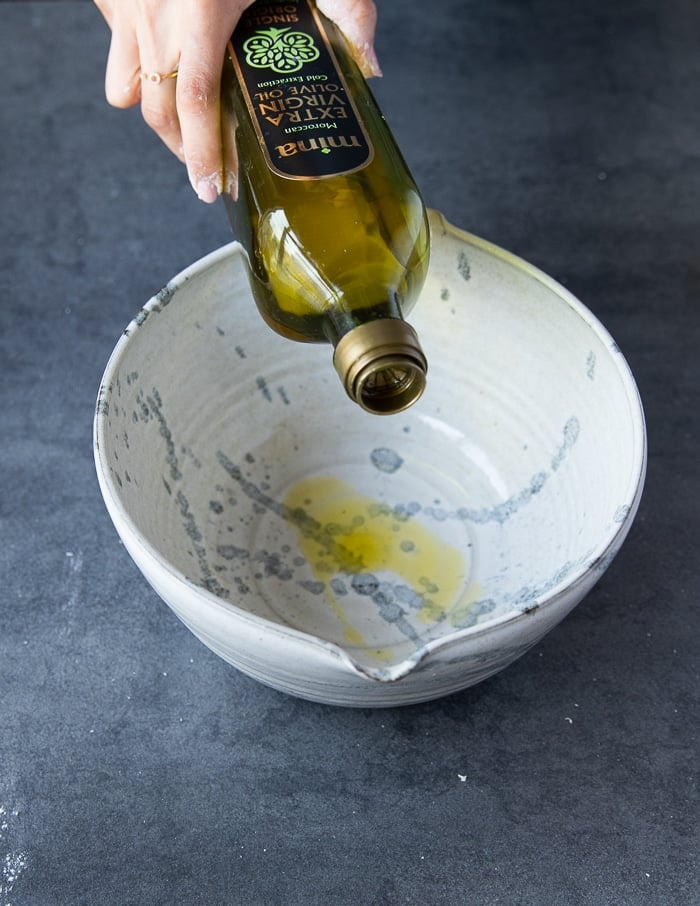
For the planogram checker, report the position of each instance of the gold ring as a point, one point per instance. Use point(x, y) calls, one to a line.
point(156, 77)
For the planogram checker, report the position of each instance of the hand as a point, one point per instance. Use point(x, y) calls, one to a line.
point(154, 39)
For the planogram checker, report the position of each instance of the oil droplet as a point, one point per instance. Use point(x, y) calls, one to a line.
point(345, 533)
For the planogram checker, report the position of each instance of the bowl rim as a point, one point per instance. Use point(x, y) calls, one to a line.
point(597, 563)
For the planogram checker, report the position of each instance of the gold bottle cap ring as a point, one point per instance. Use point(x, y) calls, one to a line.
point(382, 365)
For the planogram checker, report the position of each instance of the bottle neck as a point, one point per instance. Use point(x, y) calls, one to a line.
point(338, 320)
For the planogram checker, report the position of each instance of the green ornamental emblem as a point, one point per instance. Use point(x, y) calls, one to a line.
point(280, 50)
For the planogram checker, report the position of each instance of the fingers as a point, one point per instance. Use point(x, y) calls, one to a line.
point(160, 36)
point(357, 19)
point(198, 110)
point(122, 82)
point(158, 108)
point(208, 146)
point(159, 40)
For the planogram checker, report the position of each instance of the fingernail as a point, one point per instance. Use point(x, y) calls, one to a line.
point(231, 184)
point(207, 191)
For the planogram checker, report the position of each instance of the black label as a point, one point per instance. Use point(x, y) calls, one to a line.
point(305, 118)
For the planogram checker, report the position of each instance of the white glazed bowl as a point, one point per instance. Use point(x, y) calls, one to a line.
point(232, 463)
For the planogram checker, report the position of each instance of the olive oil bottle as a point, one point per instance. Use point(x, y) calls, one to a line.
point(333, 224)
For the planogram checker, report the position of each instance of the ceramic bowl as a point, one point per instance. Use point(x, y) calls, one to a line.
point(372, 560)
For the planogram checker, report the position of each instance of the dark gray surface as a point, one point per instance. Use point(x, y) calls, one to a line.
point(136, 767)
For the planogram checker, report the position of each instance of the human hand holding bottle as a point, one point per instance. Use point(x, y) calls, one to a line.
point(168, 55)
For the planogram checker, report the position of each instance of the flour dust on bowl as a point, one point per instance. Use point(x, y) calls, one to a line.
point(363, 560)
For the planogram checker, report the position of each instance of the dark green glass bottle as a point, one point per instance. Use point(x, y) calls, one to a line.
point(334, 226)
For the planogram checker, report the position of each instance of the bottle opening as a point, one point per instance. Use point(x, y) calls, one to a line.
point(382, 366)
point(391, 387)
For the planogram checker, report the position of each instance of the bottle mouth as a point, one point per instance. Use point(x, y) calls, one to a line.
point(381, 365)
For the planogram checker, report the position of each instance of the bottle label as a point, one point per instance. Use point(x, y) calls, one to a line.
point(304, 115)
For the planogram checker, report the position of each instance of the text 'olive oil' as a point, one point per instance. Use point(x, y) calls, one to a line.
point(334, 226)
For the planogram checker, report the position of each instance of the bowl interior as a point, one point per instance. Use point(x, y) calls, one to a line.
point(234, 458)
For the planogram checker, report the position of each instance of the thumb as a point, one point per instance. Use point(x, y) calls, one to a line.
point(357, 19)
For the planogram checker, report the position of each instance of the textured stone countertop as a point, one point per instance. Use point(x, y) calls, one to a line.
point(138, 768)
